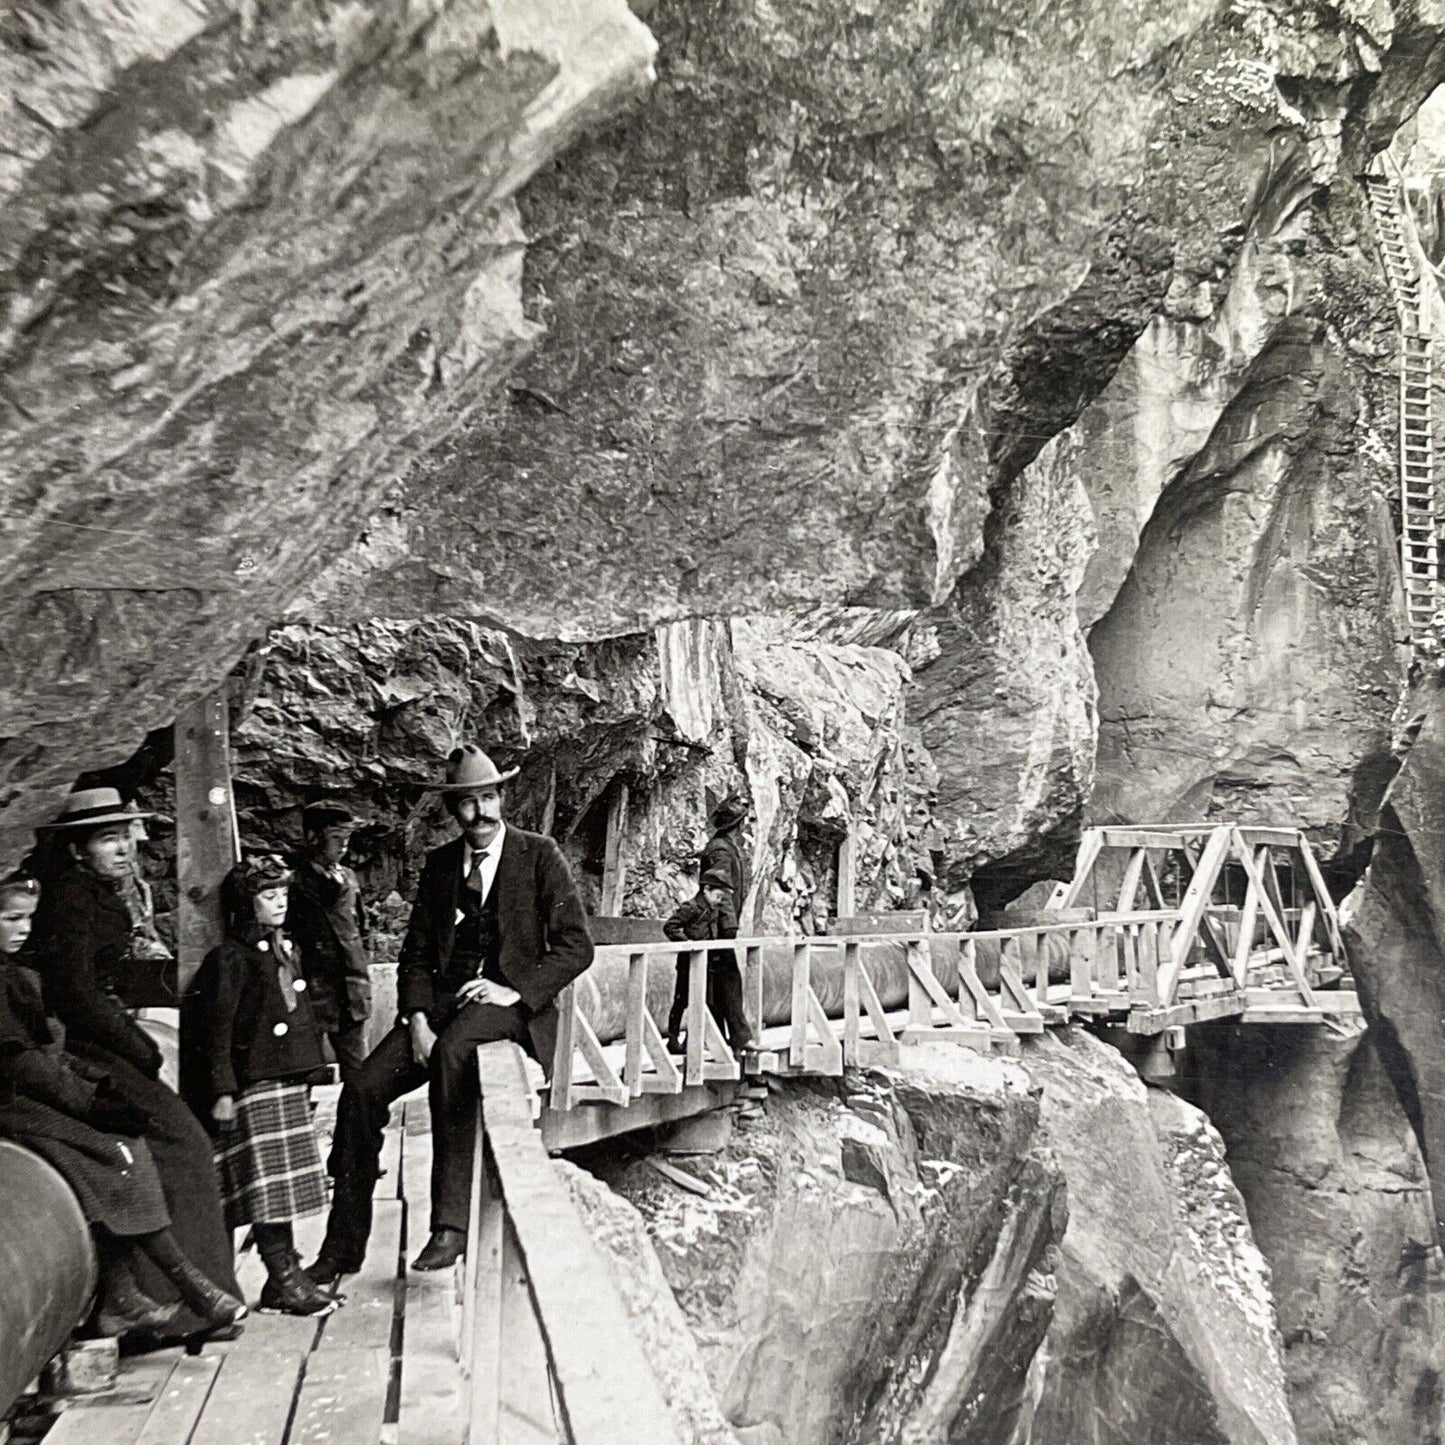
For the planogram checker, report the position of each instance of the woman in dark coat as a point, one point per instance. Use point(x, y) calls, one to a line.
point(70, 1113)
point(250, 1046)
point(81, 949)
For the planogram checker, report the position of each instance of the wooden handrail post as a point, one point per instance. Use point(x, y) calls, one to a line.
point(207, 840)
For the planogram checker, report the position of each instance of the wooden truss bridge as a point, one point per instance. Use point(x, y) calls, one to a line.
point(1412, 286)
point(1197, 923)
point(531, 1340)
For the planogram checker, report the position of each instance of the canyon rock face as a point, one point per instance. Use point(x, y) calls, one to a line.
point(832, 1273)
point(1339, 1205)
point(813, 731)
point(1164, 1330)
point(800, 338)
point(253, 259)
point(1396, 933)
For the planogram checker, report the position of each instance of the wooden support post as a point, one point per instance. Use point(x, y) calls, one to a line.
point(614, 870)
point(852, 1001)
point(753, 990)
point(802, 986)
point(207, 840)
point(564, 1054)
point(696, 1014)
point(847, 876)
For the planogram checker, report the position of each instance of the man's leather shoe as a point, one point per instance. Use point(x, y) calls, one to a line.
point(442, 1250)
point(325, 1272)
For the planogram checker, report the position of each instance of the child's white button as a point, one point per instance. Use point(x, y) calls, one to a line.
point(281, 1029)
point(299, 985)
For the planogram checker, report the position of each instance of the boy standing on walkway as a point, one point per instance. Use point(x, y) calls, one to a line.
point(710, 914)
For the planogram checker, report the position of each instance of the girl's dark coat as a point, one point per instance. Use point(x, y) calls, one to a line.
point(230, 1019)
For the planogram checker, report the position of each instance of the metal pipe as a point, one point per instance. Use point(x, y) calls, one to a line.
point(47, 1263)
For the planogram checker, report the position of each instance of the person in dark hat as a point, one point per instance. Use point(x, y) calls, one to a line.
point(705, 916)
point(80, 946)
point(250, 1047)
point(723, 854)
point(497, 931)
point(71, 1113)
point(328, 923)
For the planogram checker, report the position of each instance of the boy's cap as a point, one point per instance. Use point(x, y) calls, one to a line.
point(715, 878)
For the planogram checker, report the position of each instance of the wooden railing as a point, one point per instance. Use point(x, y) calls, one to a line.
point(548, 1348)
point(854, 995)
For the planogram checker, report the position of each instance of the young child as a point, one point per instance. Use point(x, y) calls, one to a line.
point(250, 1046)
point(710, 914)
point(69, 1111)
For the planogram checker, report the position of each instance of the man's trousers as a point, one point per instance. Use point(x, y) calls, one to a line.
point(365, 1106)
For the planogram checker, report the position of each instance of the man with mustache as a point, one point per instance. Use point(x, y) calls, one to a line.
point(496, 933)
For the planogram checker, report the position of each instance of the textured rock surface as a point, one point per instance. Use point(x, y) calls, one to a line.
point(253, 259)
point(810, 312)
point(616, 1229)
point(1249, 664)
point(1164, 1330)
point(836, 1259)
point(1396, 936)
point(1338, 1202)
point(830, 1266)
point(813, 730)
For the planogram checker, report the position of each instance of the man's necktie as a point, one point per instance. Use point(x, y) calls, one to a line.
point(474, 878)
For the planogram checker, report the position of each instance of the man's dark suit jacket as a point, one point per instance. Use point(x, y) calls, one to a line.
point(543, 928)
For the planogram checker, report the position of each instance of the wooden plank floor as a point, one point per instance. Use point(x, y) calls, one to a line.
point(381, 1368)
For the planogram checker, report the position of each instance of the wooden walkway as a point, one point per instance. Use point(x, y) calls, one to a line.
point(383, 1367)
point(1160, 928)
point(528, 1343)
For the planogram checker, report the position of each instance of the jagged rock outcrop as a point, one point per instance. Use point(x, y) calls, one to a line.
point(616, 1229)
point(1396, 935)
point(861, 1267)
point(1339, 1205)
point(1164, 1331)
point(253, 259)
point(1250, 661)
point(813, 730)
point(831, 1274)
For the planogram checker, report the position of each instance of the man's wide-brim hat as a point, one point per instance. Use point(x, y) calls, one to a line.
point(730, 812)
point(94, 808)
point(469, 768)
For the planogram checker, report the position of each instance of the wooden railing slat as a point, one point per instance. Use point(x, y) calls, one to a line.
point(604, 1383)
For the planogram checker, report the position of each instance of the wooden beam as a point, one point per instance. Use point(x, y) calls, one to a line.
point(614, 869)
point(1090, 846)
point(847, 876)
point(207, 840)
point(605, 1384)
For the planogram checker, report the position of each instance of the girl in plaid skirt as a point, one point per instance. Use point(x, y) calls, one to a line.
point(250, 1047)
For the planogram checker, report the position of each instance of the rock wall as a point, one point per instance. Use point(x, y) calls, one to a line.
point(1339, 1204)
point(810, 311)
point(1396, 933)
point(860, 1268)
point(813, 731)
point(253, 259)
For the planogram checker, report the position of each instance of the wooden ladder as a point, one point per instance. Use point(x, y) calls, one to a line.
point(1419, 527)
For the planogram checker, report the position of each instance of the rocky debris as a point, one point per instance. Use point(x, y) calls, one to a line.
point(1339, 1205)
point(616, 1229)
point(1164, 1328)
